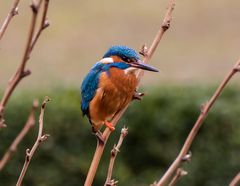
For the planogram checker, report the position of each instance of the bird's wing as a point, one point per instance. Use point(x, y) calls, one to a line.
point(89, 86)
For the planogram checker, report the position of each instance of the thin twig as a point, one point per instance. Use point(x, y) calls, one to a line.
point(41, 137)
point(179, 173)
point(164, 27)
point(147, 53)
point(204, 111)
point(114, 152)
point(236, 180)
point(11, 14)
point(13, 147)
point(44, 24)
point(100, 147)
point(31, 41)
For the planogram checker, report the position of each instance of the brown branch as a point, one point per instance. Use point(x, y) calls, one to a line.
point(179, 173)
point(21, 71)
point(147, 53)
point(236, 180)
point(40, 138)
point(29, 124)
point(204, 111)
point(44, 24)
point(164, 27)
point(114, 152)
point(11, 14)
point(100, 147)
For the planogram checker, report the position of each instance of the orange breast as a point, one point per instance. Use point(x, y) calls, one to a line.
point(114, 93)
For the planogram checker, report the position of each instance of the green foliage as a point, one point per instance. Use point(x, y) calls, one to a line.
point(158, 126)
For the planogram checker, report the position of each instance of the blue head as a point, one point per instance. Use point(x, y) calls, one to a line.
point(124, 57)
point(124, 52)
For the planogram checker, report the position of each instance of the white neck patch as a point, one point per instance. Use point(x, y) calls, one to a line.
point(106, 60)
point(130, 70)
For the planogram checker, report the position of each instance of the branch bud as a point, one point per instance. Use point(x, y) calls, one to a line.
point(181, 172)
point(46, 24)
point(46, 99)
point(144, 51)
point(27, 154)
point(166, 25)
point(15, 11)
point(187, 157)
point(124, 131)
point(44, 137)
point(25, 73)
point(34, 7)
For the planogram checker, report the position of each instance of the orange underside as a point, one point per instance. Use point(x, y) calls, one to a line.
point(114, 93)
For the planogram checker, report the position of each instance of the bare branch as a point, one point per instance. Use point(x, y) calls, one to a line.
point(164, 27)
point(204, 111)
point(21, 72)
point(44, 24)
point(179, 173)
point(114, 152)
point(29, 124)
point(236, 180)
point(147, 53)
point(11, 14)
point(100, 147)
point(41, 137)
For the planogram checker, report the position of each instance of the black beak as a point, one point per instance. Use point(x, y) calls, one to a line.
point(141, 65)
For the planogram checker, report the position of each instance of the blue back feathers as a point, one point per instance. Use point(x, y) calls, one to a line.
point(91, 81)
point(121, 51)
point(89, 86)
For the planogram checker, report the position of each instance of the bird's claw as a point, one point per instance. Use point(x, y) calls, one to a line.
point(138, 96)
point(100, 138)
point(109, 125)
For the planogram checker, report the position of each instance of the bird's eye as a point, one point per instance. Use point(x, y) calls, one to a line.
point(133, 60)
point(126, 59)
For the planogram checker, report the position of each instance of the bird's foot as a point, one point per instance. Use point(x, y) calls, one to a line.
point(99, 137)
point(109, 125)
point(138, 96)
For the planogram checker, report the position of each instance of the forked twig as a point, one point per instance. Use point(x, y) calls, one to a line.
point(179, 173)
point(236, 180)
point(204, 111)
point(11, 14)
point(13, 147)
point(114, 152)
point(100, 147)
point(44, 24)
point(40, 138)
point(31, 41)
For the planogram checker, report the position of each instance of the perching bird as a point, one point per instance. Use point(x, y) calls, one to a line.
point(110, 86)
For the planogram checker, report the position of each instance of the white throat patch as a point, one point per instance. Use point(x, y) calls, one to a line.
point(106, 60)
point(130, 70)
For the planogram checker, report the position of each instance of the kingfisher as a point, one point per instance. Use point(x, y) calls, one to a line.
point(110, 85)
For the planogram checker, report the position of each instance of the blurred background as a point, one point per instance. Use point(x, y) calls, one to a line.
point(193, 56)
